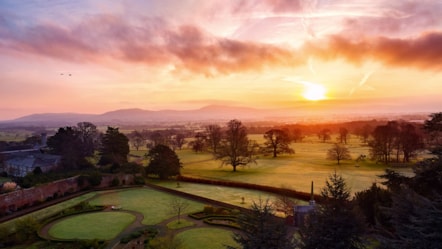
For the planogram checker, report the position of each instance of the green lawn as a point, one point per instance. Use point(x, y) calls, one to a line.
point(49, 211)
point(100, 225)
point(213, 238)
point(220, 193)
point(154, 205)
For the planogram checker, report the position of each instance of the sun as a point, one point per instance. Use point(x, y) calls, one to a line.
point(314, 92)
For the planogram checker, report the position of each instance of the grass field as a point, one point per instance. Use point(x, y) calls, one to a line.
point(100, 225)
point(49, 211)
point(220, 193)
point(295, 171)
point(212, 238)
point(154, 205)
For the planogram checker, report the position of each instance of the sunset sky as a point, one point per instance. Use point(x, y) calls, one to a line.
point(96, 56)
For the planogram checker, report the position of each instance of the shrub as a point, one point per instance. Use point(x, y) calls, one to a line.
point(9, 186)
point(139, 180)
point(208, 209)
point(95, 178)
point(115, 182)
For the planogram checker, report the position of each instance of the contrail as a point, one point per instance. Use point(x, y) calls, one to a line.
point(365, 78)
point(361, 82)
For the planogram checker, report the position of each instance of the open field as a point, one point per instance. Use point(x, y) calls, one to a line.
point(295, 171)
point(14, 135)
point(100, 225)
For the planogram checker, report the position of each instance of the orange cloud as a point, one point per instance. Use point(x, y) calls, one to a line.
point(155, 42)
point(423, 52)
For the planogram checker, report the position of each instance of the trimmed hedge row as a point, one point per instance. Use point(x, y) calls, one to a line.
point(288, 192)
point(233, 222)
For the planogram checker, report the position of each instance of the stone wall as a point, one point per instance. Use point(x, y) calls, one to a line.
point(23, 198)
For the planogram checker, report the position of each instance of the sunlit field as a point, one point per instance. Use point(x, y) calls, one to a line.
point(295, 171)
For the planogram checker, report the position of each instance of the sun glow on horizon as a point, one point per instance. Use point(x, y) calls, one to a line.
point(314, 92)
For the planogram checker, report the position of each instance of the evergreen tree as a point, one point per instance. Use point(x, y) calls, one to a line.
point(371, 202)
point(163, 162)
point(333, 223)
point(260, 229)
point(114, 147)
point(416, 221)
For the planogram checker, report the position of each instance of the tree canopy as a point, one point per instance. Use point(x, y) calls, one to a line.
point(74, 144)
point(114, 147)
point(277, 141)
point(163, 162)
point(333, 223)
point(260, 229)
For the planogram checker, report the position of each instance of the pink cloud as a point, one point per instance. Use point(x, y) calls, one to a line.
point(422, 52)
point(155, 42)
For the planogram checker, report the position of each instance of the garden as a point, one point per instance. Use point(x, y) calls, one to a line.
point(144, 215)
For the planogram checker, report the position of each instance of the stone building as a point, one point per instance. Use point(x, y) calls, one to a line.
point(19, 164)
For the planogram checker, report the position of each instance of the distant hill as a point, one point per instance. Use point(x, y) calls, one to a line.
point(211, 113)
point(140, 116)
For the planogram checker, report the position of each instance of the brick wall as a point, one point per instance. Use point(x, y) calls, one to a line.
point(23, 198)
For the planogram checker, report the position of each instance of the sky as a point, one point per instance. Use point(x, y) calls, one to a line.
point(323, 56)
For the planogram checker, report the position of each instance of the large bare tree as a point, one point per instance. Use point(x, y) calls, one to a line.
point(214, 136)
point(235, 149)
point(338, 152)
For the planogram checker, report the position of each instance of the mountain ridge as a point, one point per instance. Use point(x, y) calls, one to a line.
point(140, 116)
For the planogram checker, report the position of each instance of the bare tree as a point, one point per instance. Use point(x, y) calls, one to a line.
point(136, 139)
point(364, 132)
point(324, 135)
point(178, 140)
point(197, 144)
point(343, 135)
point(338, 152)
point(236, 149)
point(277, 141)
point(283, 202)
point(384, 142)
point(214, 136)
point(177, 207)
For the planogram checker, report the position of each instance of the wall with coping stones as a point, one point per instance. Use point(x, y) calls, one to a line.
point(23, 198)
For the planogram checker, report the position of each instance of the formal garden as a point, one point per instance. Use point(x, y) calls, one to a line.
point(138, 215)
